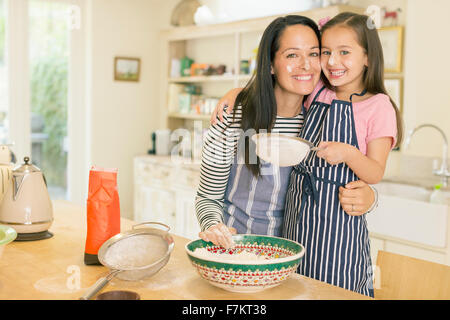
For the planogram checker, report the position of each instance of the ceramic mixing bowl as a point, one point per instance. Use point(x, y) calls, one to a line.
point(278, 259)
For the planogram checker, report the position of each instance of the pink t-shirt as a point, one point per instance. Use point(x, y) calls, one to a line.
point(374, 117)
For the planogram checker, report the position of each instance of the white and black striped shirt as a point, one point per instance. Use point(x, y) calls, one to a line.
point(218, 152)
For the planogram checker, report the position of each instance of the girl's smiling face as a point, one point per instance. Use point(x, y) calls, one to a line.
point(296, 64)
point(343, 59)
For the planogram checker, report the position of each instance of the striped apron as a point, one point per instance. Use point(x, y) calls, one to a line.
point(337, 244)
point(255, 205)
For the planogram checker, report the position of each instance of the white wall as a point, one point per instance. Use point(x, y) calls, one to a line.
point(426, 94)
point(123, 114)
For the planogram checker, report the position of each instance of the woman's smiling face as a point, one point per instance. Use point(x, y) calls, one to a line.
point(296, 64)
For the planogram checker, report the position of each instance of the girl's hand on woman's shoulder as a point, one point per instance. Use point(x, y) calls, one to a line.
point(220, 235)
point(227, 100)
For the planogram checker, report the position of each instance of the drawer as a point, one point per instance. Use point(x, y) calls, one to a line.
point(152, 172)
point(188, 179)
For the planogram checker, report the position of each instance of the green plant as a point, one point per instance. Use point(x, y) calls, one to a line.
point(49, 83)
point(49, 99)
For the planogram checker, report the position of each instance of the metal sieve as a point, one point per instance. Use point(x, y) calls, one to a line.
point(161, 242)
point(282, 150)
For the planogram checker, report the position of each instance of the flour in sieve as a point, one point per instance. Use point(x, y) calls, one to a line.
point(136, 251)
point(238, 255)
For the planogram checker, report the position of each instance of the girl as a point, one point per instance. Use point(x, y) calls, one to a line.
point(250, 197)
point(356, 124)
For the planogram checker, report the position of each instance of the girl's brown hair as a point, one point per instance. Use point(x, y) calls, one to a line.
point(368, 39)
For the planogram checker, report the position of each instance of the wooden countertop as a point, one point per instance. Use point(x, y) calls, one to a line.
point(54, 269)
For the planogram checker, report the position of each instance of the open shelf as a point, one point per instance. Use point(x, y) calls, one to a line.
point(242, 77)
point(218, 44)
point(189, 116)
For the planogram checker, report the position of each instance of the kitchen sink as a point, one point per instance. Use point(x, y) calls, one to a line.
point(404, 212)
point(405, 191)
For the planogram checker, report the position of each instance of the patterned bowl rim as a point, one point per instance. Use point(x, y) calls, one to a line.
point(249, 262)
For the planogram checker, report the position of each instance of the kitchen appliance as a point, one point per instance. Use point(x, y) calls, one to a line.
point(163, 143)
point(26, 205)
point(134, 255)
point(153, 149)
point(282, 150)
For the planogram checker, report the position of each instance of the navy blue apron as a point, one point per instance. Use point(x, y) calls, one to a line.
point(337, 244)
point(255, 205)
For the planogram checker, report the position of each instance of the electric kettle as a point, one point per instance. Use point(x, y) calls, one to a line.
point(26, 205)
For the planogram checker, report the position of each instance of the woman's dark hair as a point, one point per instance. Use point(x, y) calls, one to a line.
point(259, 107)
point(368, 39)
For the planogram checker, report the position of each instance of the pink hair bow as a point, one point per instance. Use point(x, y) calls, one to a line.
point(323, 21)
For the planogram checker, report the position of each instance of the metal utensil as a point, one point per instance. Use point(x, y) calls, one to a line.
point(282, 150)
point(134, 273)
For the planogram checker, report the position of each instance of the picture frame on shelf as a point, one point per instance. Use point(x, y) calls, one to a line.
point(391, 39)
point(127, 69)
point(394, 87)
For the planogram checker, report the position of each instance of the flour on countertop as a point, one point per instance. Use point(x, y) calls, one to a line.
point(167, 278)
point(56, 284)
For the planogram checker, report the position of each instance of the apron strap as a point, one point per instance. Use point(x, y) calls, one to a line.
point(309, 182)
point(358, 94)
point(317, 95)
point(314, 100)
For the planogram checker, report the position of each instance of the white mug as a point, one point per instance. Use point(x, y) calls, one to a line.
point(163, 142)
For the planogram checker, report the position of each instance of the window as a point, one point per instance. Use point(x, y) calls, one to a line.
point(4, 132)
point(49, 39)
point(42, 47)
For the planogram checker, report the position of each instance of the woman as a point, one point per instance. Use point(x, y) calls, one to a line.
point(238, 192)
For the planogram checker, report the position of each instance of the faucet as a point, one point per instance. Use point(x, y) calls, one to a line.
point(443, 170)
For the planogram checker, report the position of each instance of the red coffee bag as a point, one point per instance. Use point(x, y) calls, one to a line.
point(103, 211)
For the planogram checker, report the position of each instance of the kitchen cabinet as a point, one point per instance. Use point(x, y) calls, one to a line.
point(185, 211)
point(155, 204)
point(407, 248)
point(164, 191)
point(406, 223)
